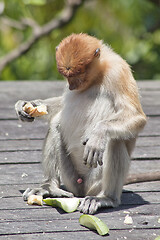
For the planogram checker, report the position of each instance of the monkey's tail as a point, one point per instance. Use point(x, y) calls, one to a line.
point(143, 177)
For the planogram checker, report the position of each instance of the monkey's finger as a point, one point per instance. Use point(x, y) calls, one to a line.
point(84, 207)
point(100, 158)
point(19, 105)
point(90, 158)
point(26, 194)
point(94, 205)
point(81, 204)
point(85, 155)
point(95, 159)
point(25, 116)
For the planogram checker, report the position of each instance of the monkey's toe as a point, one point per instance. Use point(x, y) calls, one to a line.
point(26, 194)
point(89, 205)
point(35, 191)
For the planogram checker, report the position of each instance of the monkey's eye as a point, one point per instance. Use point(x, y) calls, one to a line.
point(97, 52)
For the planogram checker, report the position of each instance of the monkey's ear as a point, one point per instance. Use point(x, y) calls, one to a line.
point(57, 48)
point(97, 52)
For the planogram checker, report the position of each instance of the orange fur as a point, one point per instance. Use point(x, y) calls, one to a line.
point(128, 87)
point(75, 53)
point(78, 61)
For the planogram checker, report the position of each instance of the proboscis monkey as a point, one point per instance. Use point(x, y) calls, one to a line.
point(93, 126)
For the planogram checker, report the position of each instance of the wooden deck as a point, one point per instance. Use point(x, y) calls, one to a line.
point(20, 157)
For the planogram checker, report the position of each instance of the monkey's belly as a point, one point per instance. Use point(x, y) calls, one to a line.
point(75, 149)
point(77, 159)
point(73, 132)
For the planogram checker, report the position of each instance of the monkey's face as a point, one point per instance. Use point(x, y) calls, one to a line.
point(73, 55)
point(77, 82)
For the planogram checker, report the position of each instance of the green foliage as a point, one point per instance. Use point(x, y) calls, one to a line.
point(35, 2)
point(130, 27)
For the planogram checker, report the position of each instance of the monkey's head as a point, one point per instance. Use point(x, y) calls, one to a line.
point(75, 58)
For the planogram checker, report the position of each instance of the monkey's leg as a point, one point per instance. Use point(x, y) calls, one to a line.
point(116, 162)
point(51, 164)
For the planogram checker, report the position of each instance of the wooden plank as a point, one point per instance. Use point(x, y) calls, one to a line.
point(149, 98)
point(49, 213)
point(32, 173)
point(149, 130)
point(7, 113)
point(144, 166)
point(10, 114)
point(147, 152)
point(18, 150)
point(143, 187)
point(28, 90)
point(17, 130)
point(18, 142)
point(151, 110)
point(146, 141)
point(113, 217)
point(21, 173)
point(149, 85)
point(131, 234)
point(17, 145)
point(47, 89)
point(33, 144)
point(147, 147)
point(128, 198)
point(33, 156)
point(10, 190)
point(20, 157)
point(15, 190)
point(22, 150)
point(73, 225)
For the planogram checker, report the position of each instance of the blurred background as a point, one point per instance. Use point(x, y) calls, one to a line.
point(31, 29)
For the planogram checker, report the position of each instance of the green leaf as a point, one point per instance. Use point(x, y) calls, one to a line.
point(67, 204)
point(35, 2)
point(95, 223)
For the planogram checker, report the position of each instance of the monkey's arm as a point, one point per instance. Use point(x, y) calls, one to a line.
point(123, 126)
point(53, 105)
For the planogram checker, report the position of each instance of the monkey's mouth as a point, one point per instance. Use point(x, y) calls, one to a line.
point(74, 84)
point(72, 87)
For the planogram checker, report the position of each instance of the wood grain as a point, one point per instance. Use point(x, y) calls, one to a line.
point(20, 167)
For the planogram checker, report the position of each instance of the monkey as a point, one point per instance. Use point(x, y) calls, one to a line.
point(93, 126)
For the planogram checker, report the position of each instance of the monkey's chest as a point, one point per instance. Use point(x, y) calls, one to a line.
point(79, 117)
point(73, 125)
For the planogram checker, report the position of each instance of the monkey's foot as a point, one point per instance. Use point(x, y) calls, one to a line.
point(45, 192)
point(91, 204)
point(36, 191)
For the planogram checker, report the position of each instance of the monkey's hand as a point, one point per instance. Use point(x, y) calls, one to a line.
point(24, 115)
point(94, 149)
